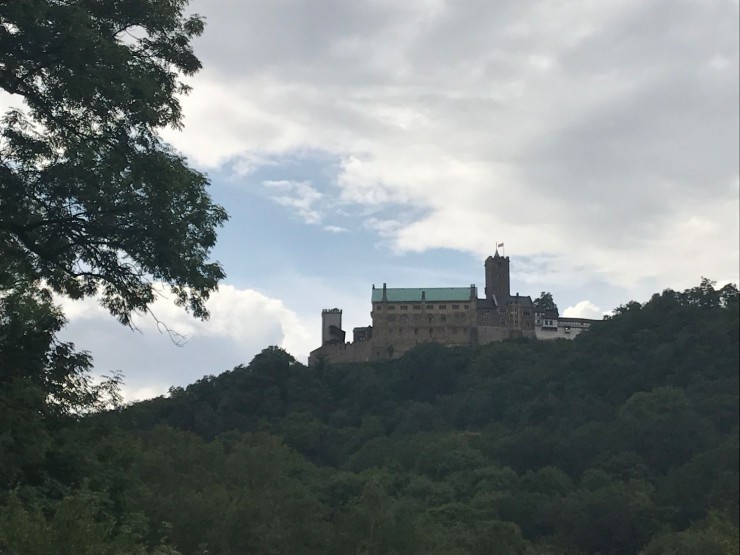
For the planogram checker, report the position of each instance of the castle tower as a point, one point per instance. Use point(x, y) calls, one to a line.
point(331, 326)
point(497, 276)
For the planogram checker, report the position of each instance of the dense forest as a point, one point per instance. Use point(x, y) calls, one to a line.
point(622, 441)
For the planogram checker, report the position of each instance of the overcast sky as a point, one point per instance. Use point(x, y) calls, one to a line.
point(360, 142)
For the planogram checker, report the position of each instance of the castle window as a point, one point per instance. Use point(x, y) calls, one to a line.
point(379, 307)
point(417, 317)
point(404, 317)
point(487, 314)
point(417, 307)
point(455, 306)
point(430, 306)
point(404, 307)
point(443, 317)
point(391, 307)
point(443, 307)
point(416, 331)
point(526, 312)
point(503, 321)
point(466, 307)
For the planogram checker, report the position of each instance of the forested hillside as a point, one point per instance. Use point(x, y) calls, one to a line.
point(623, 441)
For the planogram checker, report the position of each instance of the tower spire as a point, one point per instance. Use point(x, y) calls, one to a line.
point(503, 252)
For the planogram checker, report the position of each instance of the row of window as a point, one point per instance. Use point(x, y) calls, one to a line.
point(430, 331)
point(418, 307)
point(556, 323)
point(487, 313)
point(430, 318)
point(513, 322)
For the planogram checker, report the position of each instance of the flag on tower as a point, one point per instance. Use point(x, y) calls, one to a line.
point(499, 245)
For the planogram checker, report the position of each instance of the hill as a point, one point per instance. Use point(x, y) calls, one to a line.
point(622, 441)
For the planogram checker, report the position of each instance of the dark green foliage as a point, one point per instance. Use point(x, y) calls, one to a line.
point(593, 446)
point(92, 202)
point(44, 385)
point(623, 441)
point(713, 535)
point(545, 302)
point(91, 199)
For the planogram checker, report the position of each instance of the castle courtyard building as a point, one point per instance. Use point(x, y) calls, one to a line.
point(402, 318)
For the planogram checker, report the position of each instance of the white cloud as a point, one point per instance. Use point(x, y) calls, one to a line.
point(242, 323)
point(385, 228)
point(300, 196)
point(584, 309)
point(311, 205)
point(335, 229)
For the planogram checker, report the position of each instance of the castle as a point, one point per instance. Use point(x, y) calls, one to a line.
point(404, 317)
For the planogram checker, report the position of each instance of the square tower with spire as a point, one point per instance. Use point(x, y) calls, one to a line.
point(497, 276)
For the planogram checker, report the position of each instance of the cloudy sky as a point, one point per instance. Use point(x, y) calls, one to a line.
point(360, 142)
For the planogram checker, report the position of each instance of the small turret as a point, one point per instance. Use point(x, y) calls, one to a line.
point(331, 326)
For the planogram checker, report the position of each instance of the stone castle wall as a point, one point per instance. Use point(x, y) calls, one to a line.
point(343, 352)
point(401, 326)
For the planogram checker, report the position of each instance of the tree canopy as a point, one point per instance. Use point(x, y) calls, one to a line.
point(545, 302)
point(92, 201)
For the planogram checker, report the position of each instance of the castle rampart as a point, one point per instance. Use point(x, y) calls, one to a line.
point(402, 318)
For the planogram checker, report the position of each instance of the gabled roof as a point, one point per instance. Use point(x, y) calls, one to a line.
point(523, 300)
point(431, 294)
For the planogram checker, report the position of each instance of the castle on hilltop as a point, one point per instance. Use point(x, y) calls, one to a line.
point(454, 316)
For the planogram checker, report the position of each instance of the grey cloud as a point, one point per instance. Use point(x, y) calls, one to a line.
point(549, 122)
point(652, 36)
point(292, 38)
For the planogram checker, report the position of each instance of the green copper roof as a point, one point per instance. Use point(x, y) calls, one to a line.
point(431, 294)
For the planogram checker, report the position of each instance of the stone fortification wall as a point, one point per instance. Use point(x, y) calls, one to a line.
point(343, 352)
point(493, 334)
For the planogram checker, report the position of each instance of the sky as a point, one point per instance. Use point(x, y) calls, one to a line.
point(357, 143)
